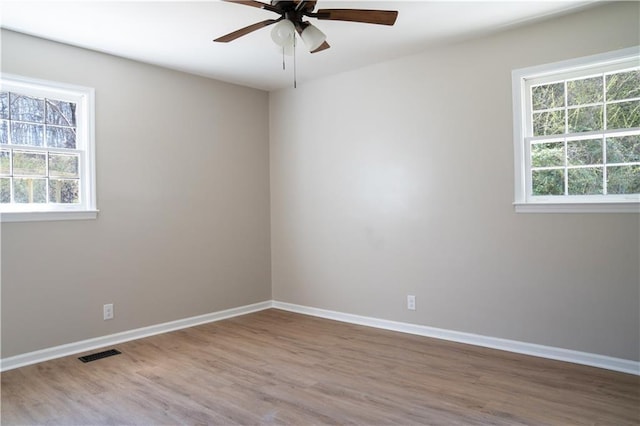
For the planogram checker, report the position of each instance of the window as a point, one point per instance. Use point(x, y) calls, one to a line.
point(47, 163)
point(577, 134)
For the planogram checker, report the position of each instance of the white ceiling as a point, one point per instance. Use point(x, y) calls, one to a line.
point(179, 34)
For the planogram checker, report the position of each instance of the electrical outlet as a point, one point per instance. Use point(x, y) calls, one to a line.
point(107, 311)
point(411, 302)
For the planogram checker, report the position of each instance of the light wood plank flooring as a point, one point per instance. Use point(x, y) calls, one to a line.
point(275, 367)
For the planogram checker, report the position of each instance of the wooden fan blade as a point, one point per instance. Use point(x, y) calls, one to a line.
point(254, 3)
point(322, 47)
point(380, 17)
point(244, 31)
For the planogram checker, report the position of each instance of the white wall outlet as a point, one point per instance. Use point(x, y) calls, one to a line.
point(107, 311)
point(411, 302)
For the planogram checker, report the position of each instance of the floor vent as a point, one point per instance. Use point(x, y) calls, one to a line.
point(99, 355)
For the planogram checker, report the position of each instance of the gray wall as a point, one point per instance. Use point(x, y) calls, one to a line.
point(183, 193)
point(400, 182)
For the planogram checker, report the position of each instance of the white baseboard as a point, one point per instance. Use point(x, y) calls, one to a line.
point(550, 352)
point(125, 336)
point(576, 357)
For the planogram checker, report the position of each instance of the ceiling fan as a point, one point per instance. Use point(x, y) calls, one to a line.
point(292, 13)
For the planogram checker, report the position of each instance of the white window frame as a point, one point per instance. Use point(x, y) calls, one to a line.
point(84, 97)
point(524, 202)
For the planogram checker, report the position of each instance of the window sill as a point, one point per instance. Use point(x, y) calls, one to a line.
point(47, 216)
point(623, 207)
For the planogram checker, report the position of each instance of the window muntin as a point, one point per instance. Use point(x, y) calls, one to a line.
point(577, 131)
point(46, 148)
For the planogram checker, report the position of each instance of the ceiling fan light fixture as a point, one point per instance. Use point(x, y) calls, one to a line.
point(283, 32)
point(290, 21)
point(312, 37)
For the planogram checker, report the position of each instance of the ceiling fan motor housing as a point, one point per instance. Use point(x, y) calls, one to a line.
point(289, 5)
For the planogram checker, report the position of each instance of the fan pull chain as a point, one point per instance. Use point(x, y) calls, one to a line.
point(295, 82)
point(295, 76)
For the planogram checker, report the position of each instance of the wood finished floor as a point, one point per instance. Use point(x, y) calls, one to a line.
point(275, 367)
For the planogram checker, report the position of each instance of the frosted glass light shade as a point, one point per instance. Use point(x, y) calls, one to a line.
point(312, 37)
point(283, 32)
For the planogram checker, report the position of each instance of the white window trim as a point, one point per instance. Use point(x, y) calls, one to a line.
point(522, 204)
point(85, 97)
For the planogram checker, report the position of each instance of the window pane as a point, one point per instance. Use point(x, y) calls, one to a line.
point(548, 182)
point(63, 165)
point(26, 108)
point(585, 181)
point(29, 163)
point(30, 190)
point(4, 105)
point(547, 96)
point(5, 190)
point(27, 134)
point(585, 119)
point(548, 123)
point(624, 85)
point(61, 137)
point(584, 152)
point(45, 156)
point(547, 154)
point(4, 131)
point(623, 115)
point(64, 191)
point(623, 180)
point(585, 91)
point(61, 113)
point(5, 162)
point(624, 149)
